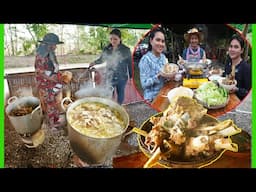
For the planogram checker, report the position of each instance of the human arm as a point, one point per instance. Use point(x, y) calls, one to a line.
point(49, 77)
point(184, 54)
point(44, 72)
point(97, 61)
point(204, 59)
point(227, 70)
point(245, 83)
point(100, 59)
point(182, 58)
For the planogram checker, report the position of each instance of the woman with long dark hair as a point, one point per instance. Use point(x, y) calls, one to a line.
point(119, 63)
point(237, 68)
point(151, 76)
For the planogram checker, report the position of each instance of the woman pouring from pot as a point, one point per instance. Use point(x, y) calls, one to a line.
point(193, 53)
point(119, 63)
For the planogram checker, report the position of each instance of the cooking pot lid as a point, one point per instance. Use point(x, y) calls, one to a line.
point(195, 65)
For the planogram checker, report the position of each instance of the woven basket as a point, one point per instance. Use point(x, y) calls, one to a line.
point(21, 81)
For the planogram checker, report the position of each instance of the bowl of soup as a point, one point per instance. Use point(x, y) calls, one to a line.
point(228, 84)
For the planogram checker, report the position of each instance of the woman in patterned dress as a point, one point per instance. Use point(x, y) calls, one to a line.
point(48, 79)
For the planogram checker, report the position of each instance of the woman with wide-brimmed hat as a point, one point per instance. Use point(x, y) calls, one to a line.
point(193, 53)
point(48, 78)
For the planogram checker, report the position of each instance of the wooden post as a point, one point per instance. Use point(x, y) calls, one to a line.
point(244, 33)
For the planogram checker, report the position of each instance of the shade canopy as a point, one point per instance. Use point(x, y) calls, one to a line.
point(126, 25)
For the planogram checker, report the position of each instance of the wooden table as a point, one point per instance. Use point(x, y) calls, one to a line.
point(161, 102)
point(227, 160)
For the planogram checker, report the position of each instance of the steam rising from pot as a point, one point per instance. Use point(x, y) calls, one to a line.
point(87, 90)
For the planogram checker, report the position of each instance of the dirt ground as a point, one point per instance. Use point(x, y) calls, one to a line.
point(54, 152)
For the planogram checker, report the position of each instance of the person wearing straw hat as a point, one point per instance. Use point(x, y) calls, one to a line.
point(48, 79)
point(193, 53)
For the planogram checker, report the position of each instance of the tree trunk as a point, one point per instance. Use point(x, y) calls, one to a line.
point(30, 32)
point(77, 41)
point(12, 42)
point(246, 48)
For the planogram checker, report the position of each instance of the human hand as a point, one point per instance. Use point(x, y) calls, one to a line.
point(167, 76)
point(233, 90)
point(181, 60)
point(74, 80)
point(160, 74)
point(204, 60)
point(66, 77)
point(56, 67)
point(53, 77)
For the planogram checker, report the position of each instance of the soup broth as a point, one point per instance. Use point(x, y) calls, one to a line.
point(97, 120)
point(22, 110)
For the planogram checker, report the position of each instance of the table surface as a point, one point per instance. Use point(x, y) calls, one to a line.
point(229, 159)
point(161, 102)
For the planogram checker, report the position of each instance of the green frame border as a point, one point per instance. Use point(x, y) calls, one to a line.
point(253, 154)
point(2, 96)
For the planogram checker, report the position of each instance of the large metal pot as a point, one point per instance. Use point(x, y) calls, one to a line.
point(195, 68)
point(95, 151)
point(28, 123)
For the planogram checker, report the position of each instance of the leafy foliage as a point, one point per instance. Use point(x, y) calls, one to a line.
point(22, 39)
point(241, 27)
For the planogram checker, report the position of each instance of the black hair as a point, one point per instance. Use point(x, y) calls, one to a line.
point(152, 35)
point(116, 32)
point(239, 39)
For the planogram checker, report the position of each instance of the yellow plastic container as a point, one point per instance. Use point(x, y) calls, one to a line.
point(193, 83)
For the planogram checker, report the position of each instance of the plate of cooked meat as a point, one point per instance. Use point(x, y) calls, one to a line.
point(185, 136)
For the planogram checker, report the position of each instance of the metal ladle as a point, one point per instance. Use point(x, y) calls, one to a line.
point(93, 79)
